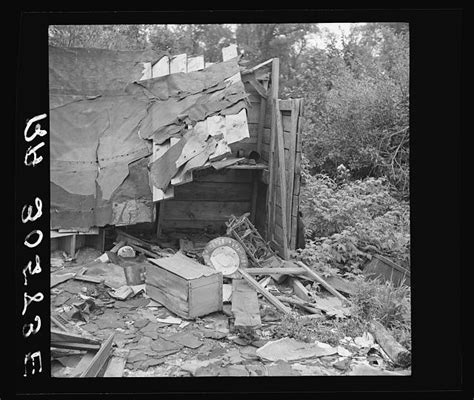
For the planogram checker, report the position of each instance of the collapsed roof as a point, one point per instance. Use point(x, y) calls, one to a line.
point(104, 119)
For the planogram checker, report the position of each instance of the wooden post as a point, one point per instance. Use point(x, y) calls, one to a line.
point(282, 172)
point(261, 124)
point(270, 195)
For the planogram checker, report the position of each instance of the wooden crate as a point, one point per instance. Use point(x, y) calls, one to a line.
point(385, 269)
point(183, 286)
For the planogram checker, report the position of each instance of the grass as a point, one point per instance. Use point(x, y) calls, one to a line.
point(384, 302)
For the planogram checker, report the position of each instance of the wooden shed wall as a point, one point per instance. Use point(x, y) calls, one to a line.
point(213, 196)
point(208, 201)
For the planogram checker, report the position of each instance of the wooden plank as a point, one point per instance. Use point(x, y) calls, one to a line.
point(75, 346)
point(286, 105)
point(205, 210)
point(245, 306)
point(62, 336)
point(195, 63)
point(214, 191)
point(83, 364)
point(274, 97)
point(227, 162)
point(320, 280)
point(115, 367)
point(178, 63)
point(56, 279)
point(236, 127)
point(225, 175)
point(229, 52)
point(275, 271)
point(99, 359)
point(161, 67)
point(256, 85)
point(258, 66)
point(299, 289)
point(290, 165)
point(282, 175)
point(216, 226)
point(272, 299)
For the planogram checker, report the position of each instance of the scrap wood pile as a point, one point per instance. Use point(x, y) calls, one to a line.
point(207, 309)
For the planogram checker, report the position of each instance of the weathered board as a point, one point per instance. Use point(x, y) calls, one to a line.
point(245, 306)
point(183, 286)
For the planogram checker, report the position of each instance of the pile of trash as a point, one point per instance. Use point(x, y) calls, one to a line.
point(208, 308)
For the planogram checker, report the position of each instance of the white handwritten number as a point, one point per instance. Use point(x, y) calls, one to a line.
point(38, 130)
point(35, 270)
point(30, 328)
point(38, 241)
point(31, 357)
point(28, 299)
point(32, 151)
point(39, 212)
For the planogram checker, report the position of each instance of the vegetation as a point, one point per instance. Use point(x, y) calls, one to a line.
point(355, 196)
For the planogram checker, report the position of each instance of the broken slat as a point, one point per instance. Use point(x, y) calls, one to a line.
point(272, 299)
point(257, 86)
point(227, 162)
point(99, 359)
point(88, 278)
point(320, 280)
point(245, 305)
point(61, 336)
point(115, 367)
point(299, 289)
point(276, 271)
point(82, 365)
point(56, 279)
point(75, 346)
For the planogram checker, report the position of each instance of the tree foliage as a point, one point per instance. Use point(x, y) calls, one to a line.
point(356, 92)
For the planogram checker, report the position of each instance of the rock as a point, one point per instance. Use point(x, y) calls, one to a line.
point(234, 370)
point(342, 365)
point(364, 369)
point(288, 349)
point(281, 368)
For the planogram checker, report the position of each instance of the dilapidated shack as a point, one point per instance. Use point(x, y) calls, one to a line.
point(143, 137)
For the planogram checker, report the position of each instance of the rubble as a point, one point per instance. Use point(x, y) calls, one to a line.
point(97, 302)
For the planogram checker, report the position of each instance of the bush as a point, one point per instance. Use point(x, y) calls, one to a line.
point(346, 223)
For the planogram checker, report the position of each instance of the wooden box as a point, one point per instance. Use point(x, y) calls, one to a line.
point(385, 269)
point(184, 286)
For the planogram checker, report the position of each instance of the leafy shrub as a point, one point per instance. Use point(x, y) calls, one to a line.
point(347, 223)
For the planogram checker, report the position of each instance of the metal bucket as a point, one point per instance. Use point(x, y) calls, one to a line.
point(134, 274)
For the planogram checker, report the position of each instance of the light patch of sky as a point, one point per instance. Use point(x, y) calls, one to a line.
point(338, 29)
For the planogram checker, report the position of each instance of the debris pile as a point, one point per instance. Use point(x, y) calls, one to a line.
point(223, 307)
